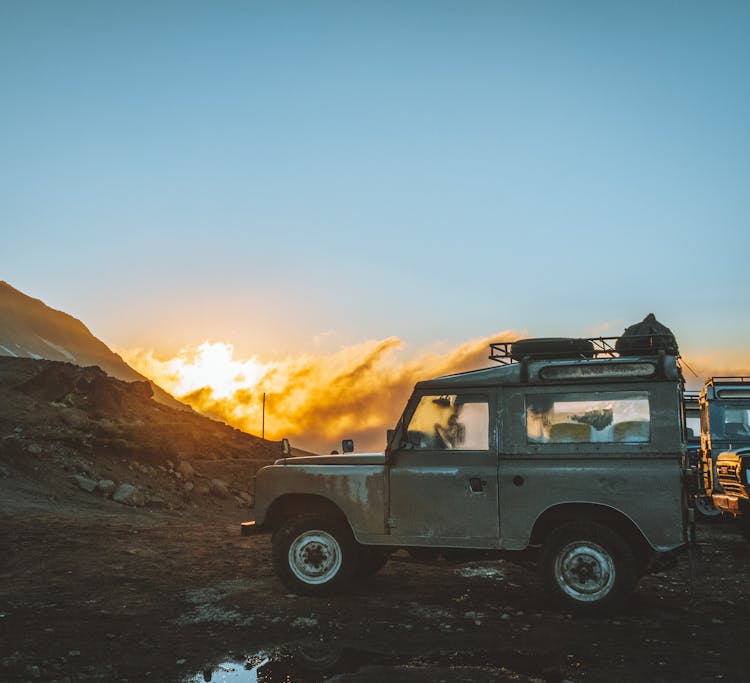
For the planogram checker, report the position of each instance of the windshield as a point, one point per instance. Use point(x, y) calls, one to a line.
point(730, 421)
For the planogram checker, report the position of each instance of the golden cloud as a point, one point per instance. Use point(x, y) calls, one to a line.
point(699, 365)
point(313, 400)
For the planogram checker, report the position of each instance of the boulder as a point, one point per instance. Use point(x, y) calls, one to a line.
point(219, 488)
point(106, 487)
point(84, 483)
point(75, 418)
point(186, 469)
point(127, 494)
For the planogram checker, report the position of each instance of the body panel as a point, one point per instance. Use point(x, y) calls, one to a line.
point(445, 498)
point(647, 492)
point(357, 490)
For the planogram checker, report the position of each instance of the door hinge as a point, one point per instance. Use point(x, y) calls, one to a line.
point(390, 523)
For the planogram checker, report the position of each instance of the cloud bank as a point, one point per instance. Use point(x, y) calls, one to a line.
point(315, 401)
point(358, 392)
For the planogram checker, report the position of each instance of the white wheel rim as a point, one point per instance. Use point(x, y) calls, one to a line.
point(585, 571)
point(315, 557)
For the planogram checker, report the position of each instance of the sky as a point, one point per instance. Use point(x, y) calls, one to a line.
point(302, 178)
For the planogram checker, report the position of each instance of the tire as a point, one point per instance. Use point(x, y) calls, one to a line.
point(370, 560)
point(552, 347)
point(319, 656)
point(314, 554)
point(587, 568)
point(706, 510)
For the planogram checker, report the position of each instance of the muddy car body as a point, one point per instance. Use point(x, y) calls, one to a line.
point(725, 416)
point(578, 457)
point(733, 474)
point(692, 426)
point(724, 404)
point(702, 502)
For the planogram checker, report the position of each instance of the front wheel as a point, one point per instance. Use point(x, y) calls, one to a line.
point(587, 567)
point(314, 554)
point(706, 509)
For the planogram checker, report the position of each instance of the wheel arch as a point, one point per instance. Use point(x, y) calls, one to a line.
point(291, 504)
point(616, 520)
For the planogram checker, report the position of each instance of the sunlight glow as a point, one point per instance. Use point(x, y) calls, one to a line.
point(357, 392)
point(212, 365)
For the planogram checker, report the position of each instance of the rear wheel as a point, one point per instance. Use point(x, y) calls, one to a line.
point(587, 567)
point(314, 554)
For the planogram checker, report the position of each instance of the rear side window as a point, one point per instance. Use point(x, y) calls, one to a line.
point(599, 417)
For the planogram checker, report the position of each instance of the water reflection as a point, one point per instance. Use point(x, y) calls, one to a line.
point(311, 660)
point(319, 660)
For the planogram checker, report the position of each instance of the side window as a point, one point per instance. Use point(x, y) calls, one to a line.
point(693, 427)
point(623, 417)
point(450, 422)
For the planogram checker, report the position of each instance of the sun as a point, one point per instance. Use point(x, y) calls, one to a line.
point(209, 366)
point(213, 365)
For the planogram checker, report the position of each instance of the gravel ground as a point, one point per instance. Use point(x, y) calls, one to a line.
point(111, 593)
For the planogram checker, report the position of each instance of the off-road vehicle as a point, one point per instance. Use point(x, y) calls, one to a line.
point(702, 502)
point(725, 445)
point(565, 448)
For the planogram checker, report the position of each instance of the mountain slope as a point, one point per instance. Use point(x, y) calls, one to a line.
point(67, 430)
point(31, 329)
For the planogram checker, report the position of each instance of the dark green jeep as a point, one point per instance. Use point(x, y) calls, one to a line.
point(565, 449)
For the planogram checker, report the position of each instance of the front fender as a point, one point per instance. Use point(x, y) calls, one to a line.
point(357, 490)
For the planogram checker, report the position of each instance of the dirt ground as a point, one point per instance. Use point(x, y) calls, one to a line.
point(90, 590)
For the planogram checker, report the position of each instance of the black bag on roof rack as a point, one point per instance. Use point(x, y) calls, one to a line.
point(551, 347)
point(647, 337)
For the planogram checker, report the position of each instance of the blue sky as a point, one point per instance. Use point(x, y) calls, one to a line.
point(290, 174)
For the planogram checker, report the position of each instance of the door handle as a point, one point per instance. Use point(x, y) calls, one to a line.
point(477, 485)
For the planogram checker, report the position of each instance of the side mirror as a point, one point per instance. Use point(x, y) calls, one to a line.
point(285, 448)
point(347, 446)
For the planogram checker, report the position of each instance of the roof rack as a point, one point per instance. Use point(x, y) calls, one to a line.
point(739, 379)
point(601, 347)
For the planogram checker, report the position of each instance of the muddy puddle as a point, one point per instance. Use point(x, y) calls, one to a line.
point(316, 660)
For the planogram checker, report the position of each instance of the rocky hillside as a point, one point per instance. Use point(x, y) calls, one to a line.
point(31, 329)
point(67, 430)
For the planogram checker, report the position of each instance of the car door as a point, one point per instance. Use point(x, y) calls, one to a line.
point(443, 484)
